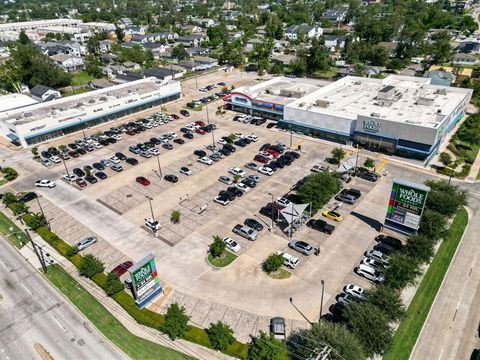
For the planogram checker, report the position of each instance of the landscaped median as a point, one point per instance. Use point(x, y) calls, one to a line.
point(12, 232)
point(407, 333)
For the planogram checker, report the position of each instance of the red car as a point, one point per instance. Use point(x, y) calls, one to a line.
point(130, 132)
point(73, 154)
point(175, 116)
point(200, 131)
point(273, 152)
point(261, 159)
point(200, 123)
point(122, 268)
point(143, 180)
point(81, 183)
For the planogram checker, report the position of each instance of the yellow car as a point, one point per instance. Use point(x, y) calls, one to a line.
point(332, 215)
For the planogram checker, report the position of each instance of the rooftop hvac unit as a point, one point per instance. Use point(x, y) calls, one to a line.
point(425, 101)
point(441, 92)
point(292, 93)
point(322, 103)
point(375, 115)
point(27, 114)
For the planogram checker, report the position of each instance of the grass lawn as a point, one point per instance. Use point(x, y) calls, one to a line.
point(3, 182)
point(5, 225)
point(280, 274)
point(327, 74)
point(134, 346)
point(225, 259)
point(81, 78)
point(406, 335)
point(76, 92)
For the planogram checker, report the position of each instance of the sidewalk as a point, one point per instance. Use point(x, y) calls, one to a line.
point(472, 176)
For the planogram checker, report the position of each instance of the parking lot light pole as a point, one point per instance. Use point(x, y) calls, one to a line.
point(321, 301)
point(66, 169)
point(34, 246)
point(159, 166)
point(213, 131)
point(151, 208)
point(271, 226)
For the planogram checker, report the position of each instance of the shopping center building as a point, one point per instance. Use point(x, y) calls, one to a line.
point(37, 123)
point(399, 115)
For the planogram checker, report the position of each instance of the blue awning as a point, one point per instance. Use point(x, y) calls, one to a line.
point(12, 137)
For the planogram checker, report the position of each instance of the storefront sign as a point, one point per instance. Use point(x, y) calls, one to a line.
point(371, 126)
point(144, 278)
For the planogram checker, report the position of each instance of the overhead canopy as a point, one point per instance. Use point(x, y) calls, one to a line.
point(293, 212)
point(347, 165)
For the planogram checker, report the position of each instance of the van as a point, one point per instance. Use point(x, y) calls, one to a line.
point(370, 273)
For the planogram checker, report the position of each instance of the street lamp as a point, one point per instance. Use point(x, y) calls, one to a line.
point(291, 133)
point(213, 131)
point(271, 226)
point(34, 246)
point(321, 301)
point(66, 169)
point(43, 214)
point(159, 166)
point(151, 208)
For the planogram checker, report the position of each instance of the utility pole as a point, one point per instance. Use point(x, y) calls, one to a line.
point(43, 214)
point(321, 301)
point(39, 256)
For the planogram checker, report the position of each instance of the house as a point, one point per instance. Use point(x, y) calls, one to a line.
point(192, 39)
point(155, 37)
point(203, 22)
point(280, 45)
point(192, 29)
point(338, 15)
point(263, 7)
point(464, 59)
point(231, 27)
point(130, 65)
point(105, 46)
point(250, 44)
point(283, 59)
point(469, 46)
point(156, 48)
point(136, 30)
point(293, 32)
point(334, 42)
point(163, 73)
point(195, 50)
point(207, 61)
point(440, 77)
point(68, 62)
point(43, 93)
point(113, 70)
point(100, 84)
point(126, 22)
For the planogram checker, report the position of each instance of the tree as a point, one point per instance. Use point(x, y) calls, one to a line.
point(23, 38)
point(370, 325)
point(346, 344)
point(90, 266)
point(445, 158)
point(419, 247)
point(34, 221)
point(179, 52)
point(386, 299)
point(440, 49)
point(319, 189)
point(175, 216)
point(369, 163)
point(273, 263)
point(338, 154)
point(18, 208)
point(9, 198)
point(402, 270)
point(93, 66)
point(119, 33)
point(445, 198)
point(433, 225)
point(317, 59)
point(35, 151)
point(113, 284)
point(236, 178)
point(176, 321)
point(217, 247)
point(220, 335)
point(265, 347)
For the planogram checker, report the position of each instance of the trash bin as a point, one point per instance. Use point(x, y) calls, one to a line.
point(299, 147)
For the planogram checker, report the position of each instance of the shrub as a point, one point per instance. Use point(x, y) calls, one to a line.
point(338, 154)
point(9, 198)
point(273, 263)
point(266, 347)
point(71, 251)
point(175, 216)
point(220, 335)
point(402, 271)
point(34, 221)
point(90, 266)
point(217, 247)
point(176, 321)
point(112, 284)
point(18, 208)
point(319, 189)
point(419, 247)
point(10, 173)
point(369, 163)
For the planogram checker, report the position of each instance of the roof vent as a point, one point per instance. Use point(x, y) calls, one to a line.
point(322, 103)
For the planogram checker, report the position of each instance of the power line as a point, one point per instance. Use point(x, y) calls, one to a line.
point(321, 343)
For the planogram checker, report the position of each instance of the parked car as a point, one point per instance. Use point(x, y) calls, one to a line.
point(200, 153)
point(185, 171)
point(80, 182)
point(236, 171)
point(98, 166)
point(122, 268)
point(301, 246)
point(243, 187)
point(368, 176)
point(266, 171)
point(69, 177)
point(352, 192)
point(277, 328)
point(84, 243)
point(289, 260)
point(27, 197)
point(373, 263)
point(332, 215)
point(225, 180)
point(91, 179)
point(254, 224)
point(79, 172)
point(152, 224)
point(321, 225)
point(179, 141)
point(245, 231)
point(348, 199)
point(369, 273)
point(377, 255)
point(251, 166)
point(353, 290)
point(45, 183)
point(231, 244)
point(205, 160)
point(131, 161)
point(390, 241)
point(142, 180)
point(120, 156)
point(116, 167)
point(346, 298)
point(167, 146)
point(171, 178)
point(188, 136)
point(221, 199)
point(385, 249)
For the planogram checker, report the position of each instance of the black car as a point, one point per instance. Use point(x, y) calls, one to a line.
point(101, 175)
point(285, 160)
point(353, 192)
point(227, 139)
point(28, 197)
point(104, 142)
point(120, 156)
point(46, 154)
point(167, 146)
point(98, 166)
point(79, 172)
point(272, 165)
point(179, 141)
point(338, 311)
point(240, 143)
point(142, 147)
point(249, 182)
point(184, 113)
point(155, 141)
point(149, 144)
point(72, 146)
point(91, 179)
point(227, 194)
point(171, 178)
point(321, 225)
point(111, 140)
point(271, 125)
point(368, 176)
point(390, 241)
point(265, 147)
point(184, 130)
point(53, 150)
point(188, 136)
point(224, 152)
point(230, 148)
point(131, 161)
point(235, 190)
point(384, 248)
point(81, 150)
point(269, 212)
point(200, 153)
point(254, 224)
point(278, 164)
point(293, 154)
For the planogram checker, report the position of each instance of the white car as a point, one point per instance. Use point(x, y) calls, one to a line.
point(231, 244)
point(354, 290)
point(55, 160)
point(117, 137)
point(45, 183)
point(370, 273)
point(69, 178)
point(97, 145)
point(283, 202)
point(172, 134)
point(154, 151)
point(266, 171)
point(243, 187)
point(222, 142)
point(145, 154)
point(152, 224)
point(267, 155)
point(225, 179)
point(46, 162)
point(237, 171)
point(205, 160)
point(253, 137)
point(221, 200)
point(238, 134)
point(185, 171)
point(377, 255)
point(114, 160)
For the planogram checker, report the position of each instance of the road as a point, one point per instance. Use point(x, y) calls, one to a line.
point(32, 312)
point(450, 331)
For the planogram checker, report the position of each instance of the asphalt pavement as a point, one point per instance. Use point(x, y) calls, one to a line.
point(32, 312)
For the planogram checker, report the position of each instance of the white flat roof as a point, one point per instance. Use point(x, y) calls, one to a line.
point(270, 90)
point(15, 101)
point(414, 100)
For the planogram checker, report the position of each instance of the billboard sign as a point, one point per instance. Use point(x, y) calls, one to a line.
point(405, 206)
point(145, 281)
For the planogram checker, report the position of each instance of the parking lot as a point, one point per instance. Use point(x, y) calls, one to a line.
point(182, 262)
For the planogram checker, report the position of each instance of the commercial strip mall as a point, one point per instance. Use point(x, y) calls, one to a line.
point(33, 124)
point(399, 115)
